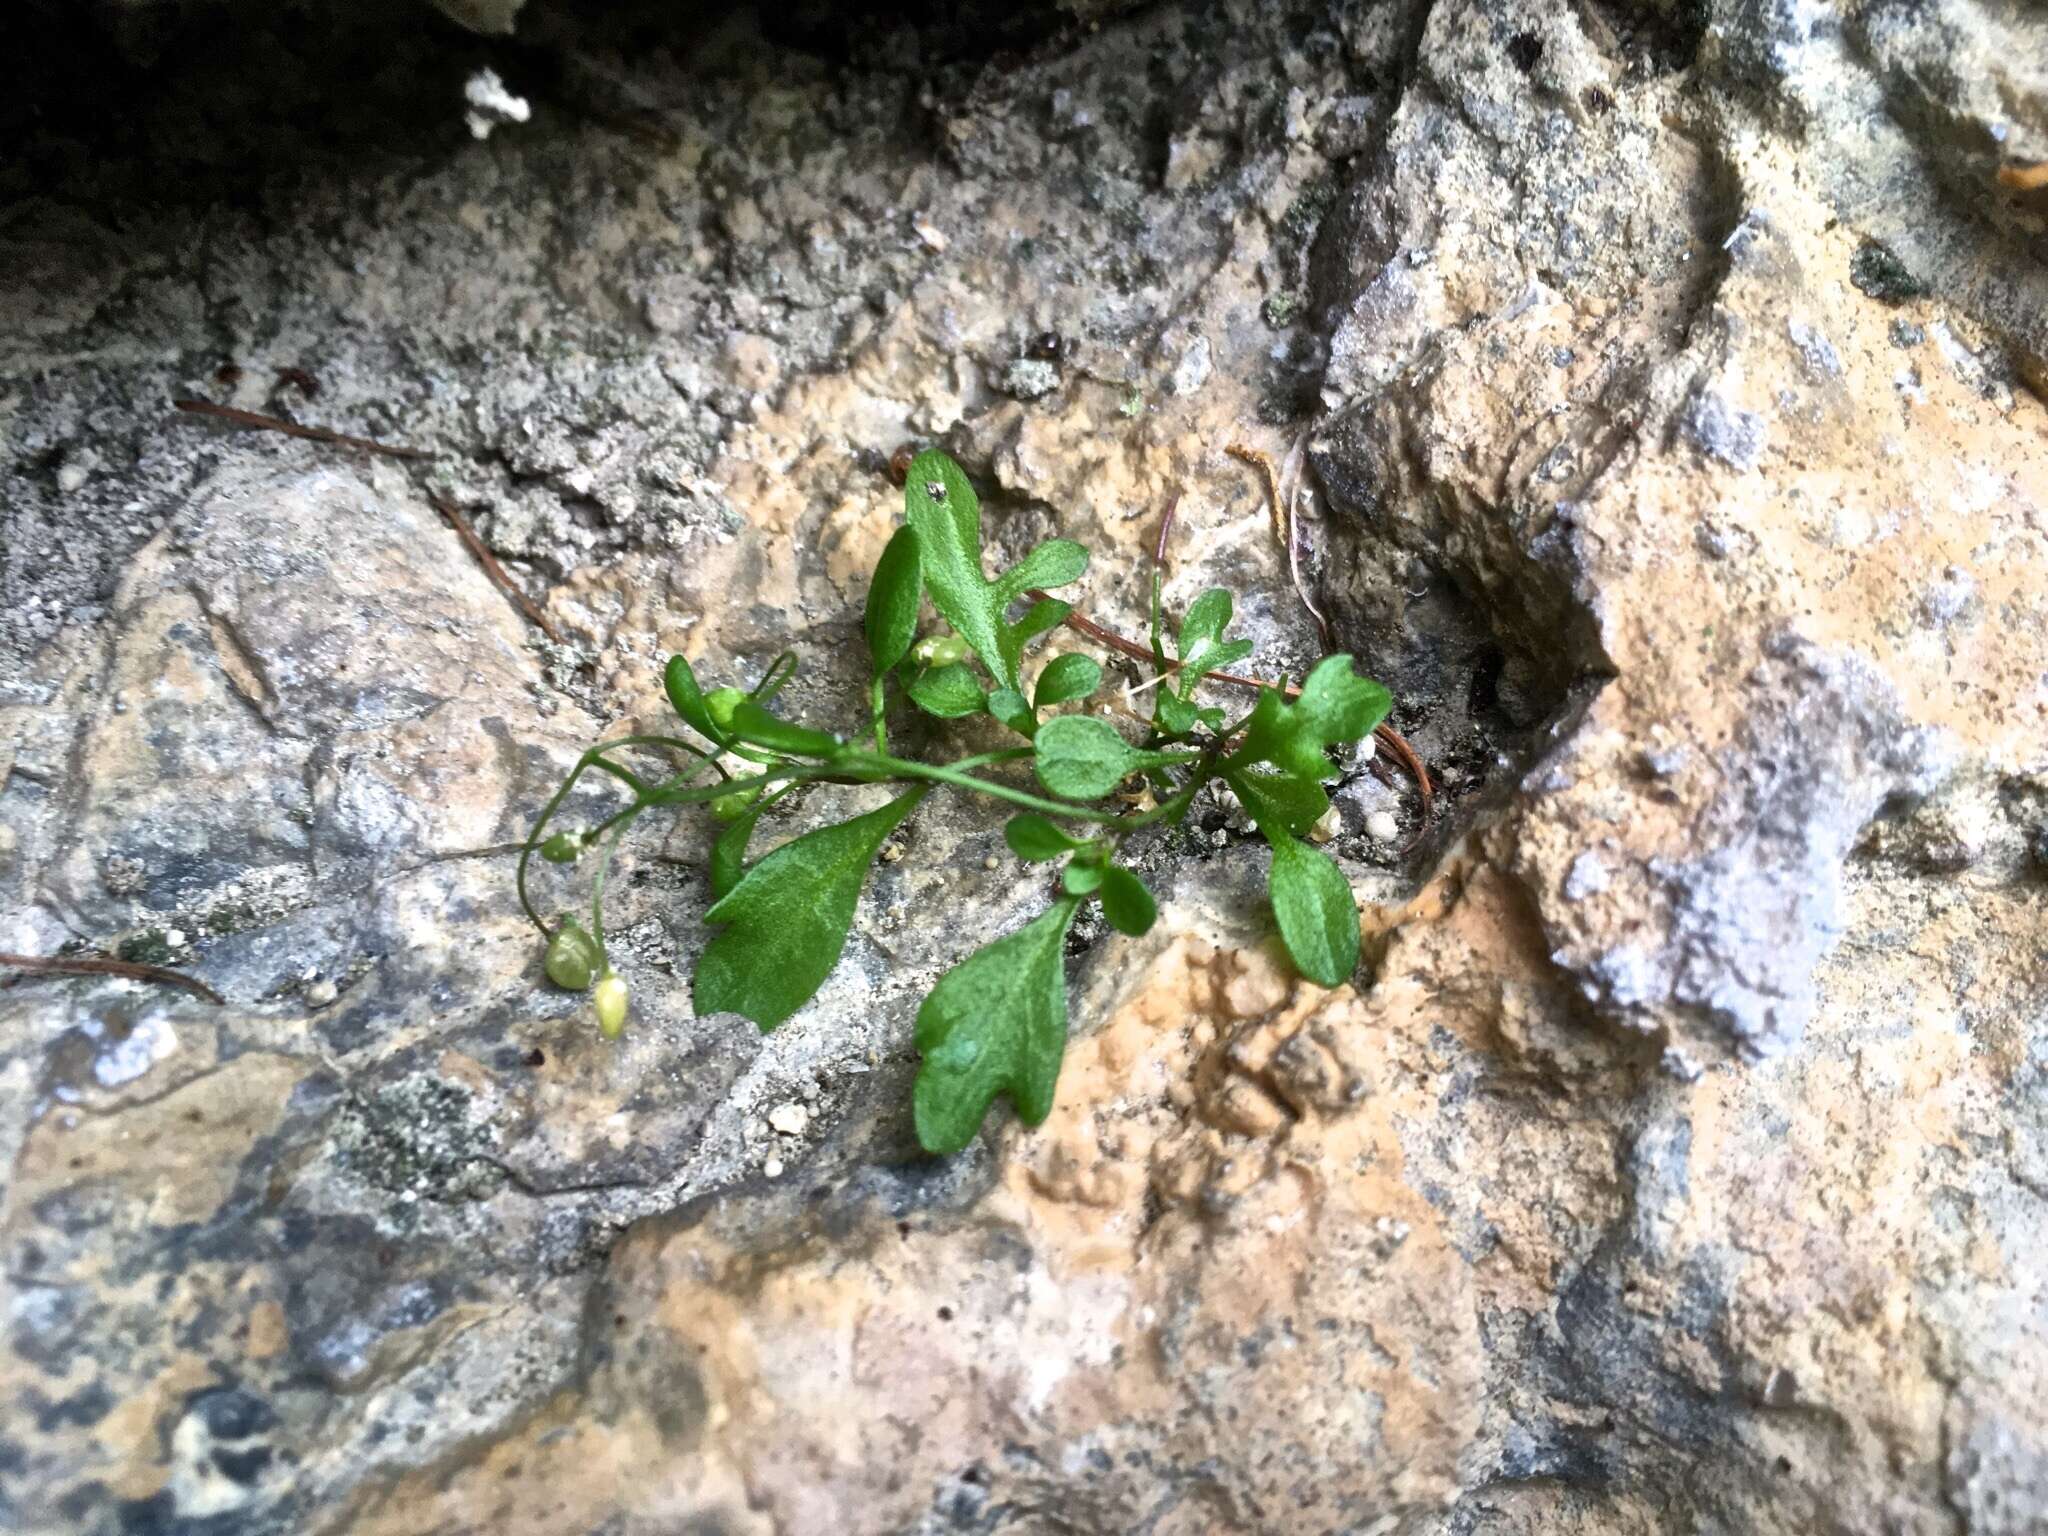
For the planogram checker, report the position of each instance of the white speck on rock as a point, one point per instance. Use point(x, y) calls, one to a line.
point(929, 233)
point(1382, 827)
point(790, 1119)
point(144, 1046)
point(772, 1168)
point(1030, 378)
point(491, 105)
point(1192, 371)
point(1587, 877)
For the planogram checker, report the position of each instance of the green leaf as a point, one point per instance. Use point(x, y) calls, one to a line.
point(1083, 758)
point(1201, 646)
point(1317, 912)
point(1278, 802)
point(729, 853)
point(1079, 878)
point(1206, 619)
point(1126, 903)
point(1033, 838)
point(687, 699)
point(995, 1024)
point(751, 723)
point(787, 919)
point(1013, 709)
point(1211, 658)
point(893, 597)
point(1052, 564)
point(949, 692)
point(1336, 705)
point(1174, 714)
point(941, 505)
point(1038, 619)
point(1067, 678)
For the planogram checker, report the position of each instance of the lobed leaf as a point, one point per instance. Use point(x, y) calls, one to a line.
point(941, 506)
point(1083, 758)
point(1279, 802)
point(1204, 622)
point(787, 919)
point(996, 1024)
point(1336, 705)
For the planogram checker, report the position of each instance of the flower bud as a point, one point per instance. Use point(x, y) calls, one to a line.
point(735, 805)
point(721, 702)
point(610, 998)
point(563, 848)
point(572, 956)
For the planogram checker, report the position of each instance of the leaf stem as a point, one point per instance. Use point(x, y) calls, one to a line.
point(883, 766)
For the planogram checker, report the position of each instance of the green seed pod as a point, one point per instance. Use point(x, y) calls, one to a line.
point(721, 702)
point(572, 956)
point(563, 848)
point(939, 650)
point(610, 998)
point(735, 805)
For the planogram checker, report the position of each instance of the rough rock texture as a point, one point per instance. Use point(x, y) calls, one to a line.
point(1667, 381)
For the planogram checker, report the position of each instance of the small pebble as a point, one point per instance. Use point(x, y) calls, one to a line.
point(1382, 826)
point(321, 993)
point(991, 862)
point(789, 1119)
point(773, 1167)
point(70, 478)
point(175, 938)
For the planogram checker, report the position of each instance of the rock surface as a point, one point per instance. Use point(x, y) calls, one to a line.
point(1667, 387)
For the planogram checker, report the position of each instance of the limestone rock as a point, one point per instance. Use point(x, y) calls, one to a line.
point(1661, 391)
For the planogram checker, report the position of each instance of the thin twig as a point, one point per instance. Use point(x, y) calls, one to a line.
point(1284, 530)
point(262, 423)
point(96, 965)
point(452, 515)
point(1386, 735)
point(1165, 528)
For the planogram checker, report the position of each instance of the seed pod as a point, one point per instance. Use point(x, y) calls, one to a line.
point(563, 848)
point(610, 998)
point(939, 650)
point(721, 702)
point(733, 806)
point(572, 956)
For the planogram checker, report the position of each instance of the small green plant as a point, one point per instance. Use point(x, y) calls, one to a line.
point(995, 1025)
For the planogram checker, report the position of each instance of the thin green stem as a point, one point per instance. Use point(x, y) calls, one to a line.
point(604, 859)
point(879, 694)
point(884, 767)
point(594, 758)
